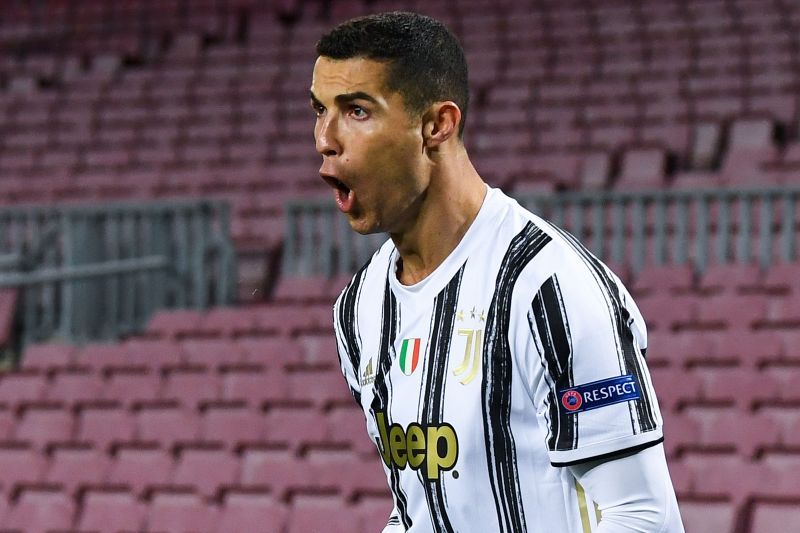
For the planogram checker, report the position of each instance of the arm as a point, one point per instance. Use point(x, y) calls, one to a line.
point(634, 492)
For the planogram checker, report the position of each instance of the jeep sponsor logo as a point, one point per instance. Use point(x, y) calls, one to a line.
point(432, 449)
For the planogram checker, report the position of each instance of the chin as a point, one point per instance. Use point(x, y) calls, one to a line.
point(364, 227)
point(365, 230)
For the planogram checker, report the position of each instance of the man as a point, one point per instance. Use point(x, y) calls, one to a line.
point(499, 364)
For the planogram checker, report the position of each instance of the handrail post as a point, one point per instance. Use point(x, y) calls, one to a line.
point(765, 230)
point(701, 232)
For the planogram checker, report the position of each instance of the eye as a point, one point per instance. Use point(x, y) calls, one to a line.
point(358, 112)
point(319, 109)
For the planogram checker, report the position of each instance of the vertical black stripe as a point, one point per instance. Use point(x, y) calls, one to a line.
point(380, 400)
point(552, 327)
point(348, 307)
point(501, 454)
point(433, 384)
point(627, 347)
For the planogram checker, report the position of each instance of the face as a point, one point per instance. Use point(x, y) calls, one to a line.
point(372, 149)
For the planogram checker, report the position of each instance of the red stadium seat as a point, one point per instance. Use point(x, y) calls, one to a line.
point(129, 384)
point(373, 512)
point(708, 516)
point(276, 468)
point(595, 171)
point(153, 353)
point(726, 429)
point(340, 469)
point(40, 510)
point(166, 422)
point(667, 312)
point(207, 468)
point(643, 168)
point(233, 322)
point(680, 432)
point(782, 277)
point(772, 516)
point(346, 424)
point(733, 311)
point(111, 509)
point(73, 385)
point(302, 290)
point(22, 386)
point(7, 420)
point(727, 277)
point(104, 423)
point(232, 423)
point(20, 463)
point(180, 511)
point(274, 352)
point(191, 384)
point(743, 387)
point(252, 383)
point(664, 279)
point(319, 349)
point(718, 476)
point(782, 312)
point(250, 511)
point(43, 423)
point(321, 384)
point(75, 465)
point(103, 355)
point(675, 387)
point(212, 352)
point(319, 512)
point(139, 466)
point(294, 424)
point(174, 324)
point(47, 356)
point(748, 348)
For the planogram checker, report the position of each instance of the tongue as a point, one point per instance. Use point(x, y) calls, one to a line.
point(344, 199)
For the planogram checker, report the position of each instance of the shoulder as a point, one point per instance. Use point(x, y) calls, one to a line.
point(372, 272)
point(557, 255)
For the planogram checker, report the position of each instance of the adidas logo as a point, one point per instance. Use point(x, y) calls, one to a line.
point(368, 376)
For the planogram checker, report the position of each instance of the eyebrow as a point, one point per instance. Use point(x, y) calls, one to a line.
point(346, 98)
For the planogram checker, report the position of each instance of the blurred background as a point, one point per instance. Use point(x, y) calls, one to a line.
point(169, 255)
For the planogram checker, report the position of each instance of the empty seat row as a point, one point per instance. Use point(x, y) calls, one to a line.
point(777, 280)
point(746, 434)
point(207, 468)
point(194, 385)
point(38, 510)
point(744, 387)
point(170, 423)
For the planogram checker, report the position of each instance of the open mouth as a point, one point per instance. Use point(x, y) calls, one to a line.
point(337, 184)
point(343, 193)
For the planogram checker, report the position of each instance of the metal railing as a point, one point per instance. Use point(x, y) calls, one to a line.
point(99, 272)
point(636, 229)
point(319, 241)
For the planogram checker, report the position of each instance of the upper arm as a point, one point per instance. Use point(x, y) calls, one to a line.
point(588, 375)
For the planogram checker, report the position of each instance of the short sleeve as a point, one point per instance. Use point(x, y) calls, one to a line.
point(592, 389)
point(344, 327)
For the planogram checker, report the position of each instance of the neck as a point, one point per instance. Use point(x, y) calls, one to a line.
point(449, 207)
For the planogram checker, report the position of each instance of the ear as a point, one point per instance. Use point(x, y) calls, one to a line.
point(440, 123)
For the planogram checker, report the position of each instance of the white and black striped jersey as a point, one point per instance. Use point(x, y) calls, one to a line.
point(520, 354)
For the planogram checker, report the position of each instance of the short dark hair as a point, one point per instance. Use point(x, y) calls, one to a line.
point(426, 63)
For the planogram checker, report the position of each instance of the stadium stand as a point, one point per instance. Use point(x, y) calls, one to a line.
point(175, 99)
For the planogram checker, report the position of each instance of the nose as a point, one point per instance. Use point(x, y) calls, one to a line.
point(327, 143)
